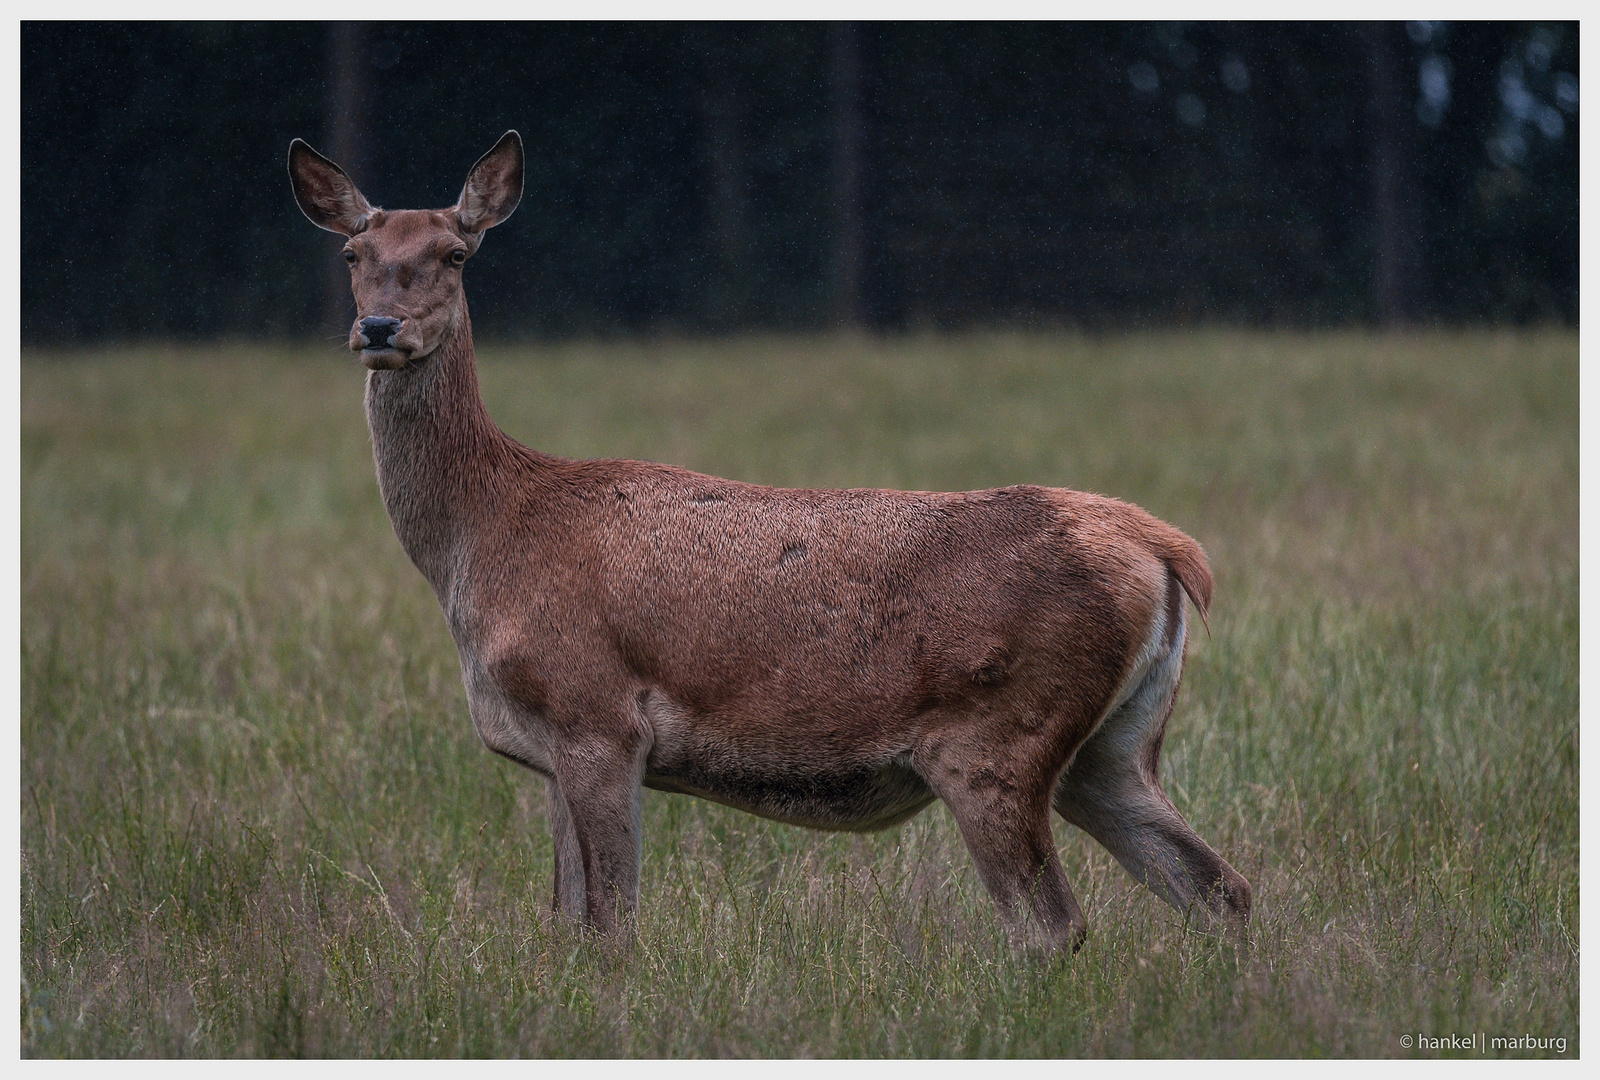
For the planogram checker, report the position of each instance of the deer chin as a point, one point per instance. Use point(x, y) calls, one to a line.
point(387, 359)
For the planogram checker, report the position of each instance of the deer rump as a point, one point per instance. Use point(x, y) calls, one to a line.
point(793, 653)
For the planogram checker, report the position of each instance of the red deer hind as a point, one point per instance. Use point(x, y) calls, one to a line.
point(834, 659)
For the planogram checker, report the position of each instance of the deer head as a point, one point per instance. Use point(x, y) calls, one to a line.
point(405, 265)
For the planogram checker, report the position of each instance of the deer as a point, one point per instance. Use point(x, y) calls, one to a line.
point(836, 659)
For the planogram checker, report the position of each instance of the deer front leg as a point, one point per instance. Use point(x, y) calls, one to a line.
point(569, 891)
point(601, 787)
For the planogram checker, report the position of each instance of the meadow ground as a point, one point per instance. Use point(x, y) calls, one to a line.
point(255, 818)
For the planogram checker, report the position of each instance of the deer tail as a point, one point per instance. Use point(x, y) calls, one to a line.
point(1184, 557)
point(1187, 561)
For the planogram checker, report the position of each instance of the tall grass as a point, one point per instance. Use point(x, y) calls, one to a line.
point(256, 820)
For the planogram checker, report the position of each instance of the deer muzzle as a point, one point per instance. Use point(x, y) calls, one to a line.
point(374, 336)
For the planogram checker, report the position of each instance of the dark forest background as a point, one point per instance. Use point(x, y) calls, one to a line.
point(701, 178)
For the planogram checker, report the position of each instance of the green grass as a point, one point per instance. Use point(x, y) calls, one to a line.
point(256, 819)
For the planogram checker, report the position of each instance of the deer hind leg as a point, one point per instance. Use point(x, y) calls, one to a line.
point(1112, 790)
point(1003, 812)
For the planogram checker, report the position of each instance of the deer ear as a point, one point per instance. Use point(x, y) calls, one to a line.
point(493, 187)
point(325, 194)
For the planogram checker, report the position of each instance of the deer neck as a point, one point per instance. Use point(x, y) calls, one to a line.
point(439, 455)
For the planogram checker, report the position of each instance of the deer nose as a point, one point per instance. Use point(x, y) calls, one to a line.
point(378, 331)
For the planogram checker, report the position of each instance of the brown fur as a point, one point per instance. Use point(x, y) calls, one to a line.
point(835, 659)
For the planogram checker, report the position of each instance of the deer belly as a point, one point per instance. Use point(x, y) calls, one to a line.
point(856, 800)
point(789, 783)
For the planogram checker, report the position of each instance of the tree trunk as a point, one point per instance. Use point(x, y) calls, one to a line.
point(347, 146)
point(727, 206)
point(849, 137)
point(1397, 263)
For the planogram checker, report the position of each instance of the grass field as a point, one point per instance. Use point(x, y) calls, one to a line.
point(256, 819)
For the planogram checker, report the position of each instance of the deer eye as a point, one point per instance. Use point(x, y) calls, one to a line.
point(457, 257)
point(350, 257)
